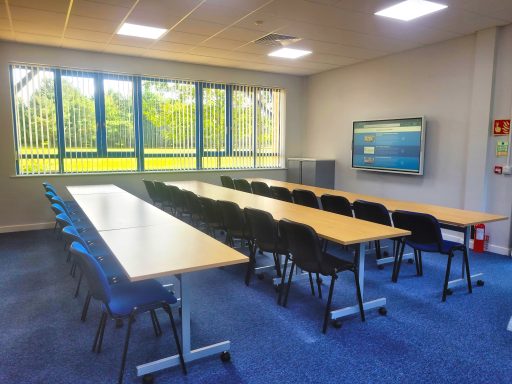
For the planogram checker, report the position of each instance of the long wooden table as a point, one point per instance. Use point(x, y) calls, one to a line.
point(459, 220)
point(150, 243)
point(330, 226)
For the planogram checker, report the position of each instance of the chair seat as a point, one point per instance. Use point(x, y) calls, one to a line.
point(141, 294)
point(281, 247)
point(446, 246)
point(334, 264)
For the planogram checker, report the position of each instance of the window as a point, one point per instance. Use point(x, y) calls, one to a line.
point(72, 121)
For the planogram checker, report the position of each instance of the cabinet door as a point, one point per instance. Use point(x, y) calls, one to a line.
point(309, 172)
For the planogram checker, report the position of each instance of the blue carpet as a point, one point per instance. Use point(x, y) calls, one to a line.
point(421, 340)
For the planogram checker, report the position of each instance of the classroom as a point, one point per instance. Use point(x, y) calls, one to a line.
point(255, 191)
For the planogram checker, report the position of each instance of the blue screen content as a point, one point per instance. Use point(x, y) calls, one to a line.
point(393, 145)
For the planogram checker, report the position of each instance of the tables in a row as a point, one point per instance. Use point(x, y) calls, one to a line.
point(150, 243)
point(333, 227)
point(459, 220)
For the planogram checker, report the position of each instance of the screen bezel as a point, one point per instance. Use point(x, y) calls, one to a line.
point(392, 170)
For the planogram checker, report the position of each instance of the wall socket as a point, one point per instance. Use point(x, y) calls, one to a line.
point(507, 169)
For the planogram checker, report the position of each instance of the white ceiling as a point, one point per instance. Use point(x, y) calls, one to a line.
point(221, 32)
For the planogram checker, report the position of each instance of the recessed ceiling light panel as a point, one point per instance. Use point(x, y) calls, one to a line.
point(411, 9)
point(143, 31)
point(289, 53)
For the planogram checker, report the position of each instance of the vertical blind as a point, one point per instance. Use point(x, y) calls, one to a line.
point(74, 121)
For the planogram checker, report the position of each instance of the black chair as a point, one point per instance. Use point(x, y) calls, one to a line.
point(194, 207)
point(227, 182)
point(242, 185)
point(211, 215)
point(426, 236)
point(179, 202)
point(235, 223)
point(260, 188)
point(281, 193)
point(306, 198)
point(306, 253)
point(163, 195)
point(151, 190)
point(336, 204)
point(265, 237)
point(376, 213)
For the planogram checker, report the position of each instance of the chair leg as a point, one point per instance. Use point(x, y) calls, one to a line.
point(125, 349)
point(102, 332)
point(396, 251)
point(420, 259)
point(167, 309)
point(447, 276)
point(468, 275)
point(77, 290)
point(156, 323)
point(289, 284)
point(359, 296)
point(417, 262)
point(86, 306)
point(319, 285)
point(277, 260)
point(377, 249)
point(399, 263)
point(250, 265)
point(328, 306)
point(311, 284)
point(98, 331)
point(283, 275)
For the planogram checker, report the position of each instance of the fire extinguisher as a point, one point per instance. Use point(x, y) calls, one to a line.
point(479, 240)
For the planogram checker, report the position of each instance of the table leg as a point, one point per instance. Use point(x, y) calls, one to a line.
point(188, 353)
point(475, 277)
point(378, 303)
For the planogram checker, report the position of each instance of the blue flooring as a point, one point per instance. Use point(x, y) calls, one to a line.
point(421, 340)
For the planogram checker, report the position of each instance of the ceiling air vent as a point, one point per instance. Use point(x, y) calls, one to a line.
point(276, 40)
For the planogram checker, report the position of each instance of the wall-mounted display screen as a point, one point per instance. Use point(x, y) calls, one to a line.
point(395, 145)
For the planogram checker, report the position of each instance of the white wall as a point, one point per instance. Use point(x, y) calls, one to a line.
point(22, 204)
point(436, 81)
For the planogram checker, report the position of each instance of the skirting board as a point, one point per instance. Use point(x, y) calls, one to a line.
point(26, 227)
point(492, 247)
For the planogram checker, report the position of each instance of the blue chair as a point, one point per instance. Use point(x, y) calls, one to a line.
point(125, 301)
point(426, 236)
point(49, 188)
point(49, 195)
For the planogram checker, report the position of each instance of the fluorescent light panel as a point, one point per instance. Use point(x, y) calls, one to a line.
point(289, 53)
point(143, 31)
point(411, 9)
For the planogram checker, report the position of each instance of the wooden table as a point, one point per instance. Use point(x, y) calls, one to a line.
point(340, 229)
point(459, 220)
point(150, 243)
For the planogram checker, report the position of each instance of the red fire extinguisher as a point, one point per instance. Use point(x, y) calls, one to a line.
point(479, 240)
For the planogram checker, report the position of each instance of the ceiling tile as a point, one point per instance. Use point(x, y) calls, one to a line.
point(221, 43)
point(161, 13)
point(39, 27)
point(218, 13)
point(99, 10)
point(92, 24)
point(82, 34)
point(199, 27)
point(131, 41)
point(247, 5)
point(241, 34)
point(83, 45)
point(60, 6)
point(125, 50)
point(4, 24)
point(36, 15)
point(6, 34)
point(170, 46)
point(36, 38)
point(182, 37)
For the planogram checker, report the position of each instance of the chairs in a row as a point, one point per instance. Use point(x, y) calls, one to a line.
point(106, 281)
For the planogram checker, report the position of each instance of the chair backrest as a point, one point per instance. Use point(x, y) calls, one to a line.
point(97, 282)
point(177, 197)
point(305, 197)
point(49, 188)
point(49, 195)
point(263, 228)
point(58, 200)
point(63, 220)
point(193, 203)
point(232, 216)
point(227, 182)
point(303, 244)
point(425, 228)
point(161, 191)
point(57, 209)
point(336, 204)
point(370, 211)
point(151, 190)
point(281, 193)
point(211, 211)
point(70, 234)
point(260, 188)
point(242, 185)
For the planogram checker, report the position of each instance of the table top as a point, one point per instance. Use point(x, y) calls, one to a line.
point(337, 228)
point(445, 215)
point(149, 242)
point(93, 189)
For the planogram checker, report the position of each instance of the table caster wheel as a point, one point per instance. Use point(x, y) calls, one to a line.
point(119, 323)
point(449, 292)
point(383, 311)
point(225, 357)
point(381, 267)
point(148, 379)
point(261, 276)
point(337, 324)
point(480, 283)
point(410, 261)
